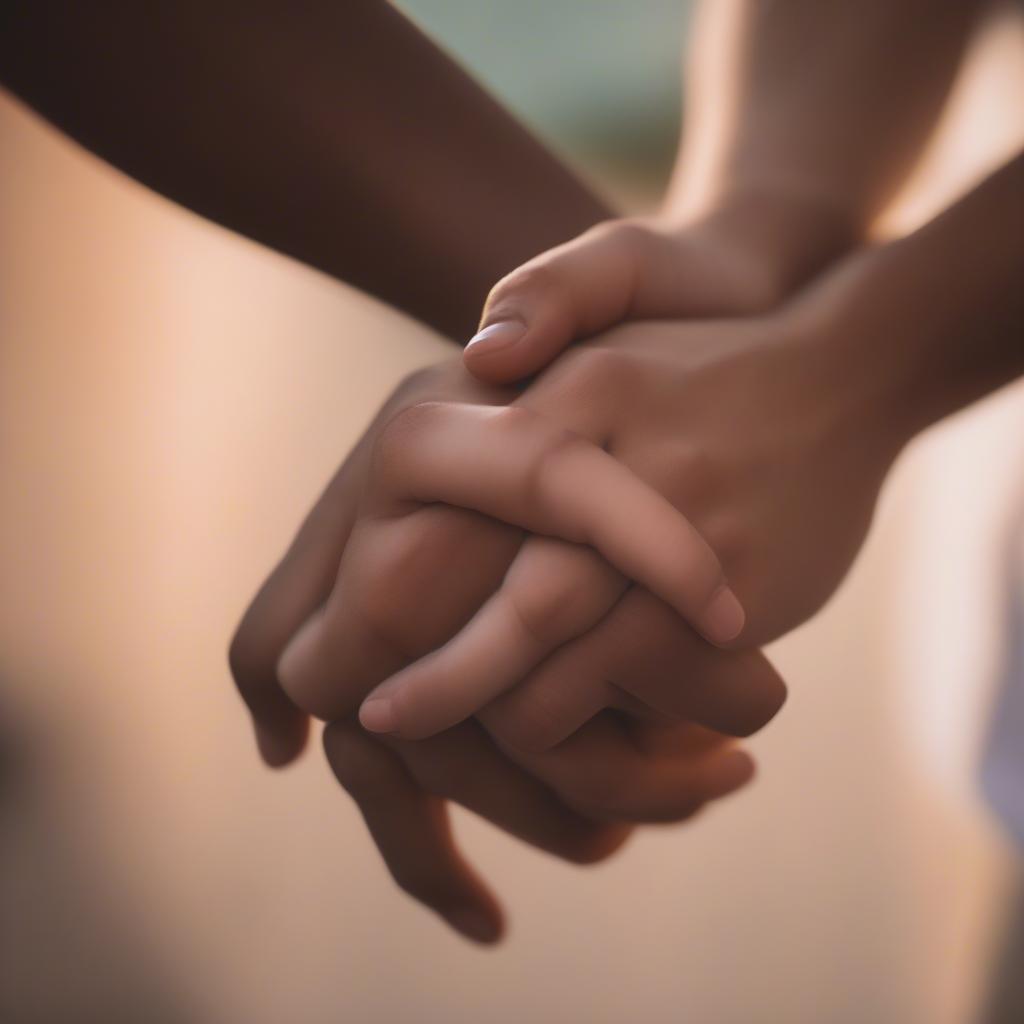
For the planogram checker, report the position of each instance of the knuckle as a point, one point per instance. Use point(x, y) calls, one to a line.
point(394, 436)
point(544, 464)
point(380, 611)
point(525, 723)
point(513, 732)
point(550, 614)
point(546, 443)
point(533, 277)
point(323, 698)
point(596, 369)
point(634, 236)
point(311, 676)
point(442, 564)
point(404, 560)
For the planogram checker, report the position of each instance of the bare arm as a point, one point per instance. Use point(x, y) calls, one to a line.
point(802, 120)
point(795, 417)
point(804, 117)
point(333, 131)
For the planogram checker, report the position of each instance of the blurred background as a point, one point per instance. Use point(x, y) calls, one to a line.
point(172, 399)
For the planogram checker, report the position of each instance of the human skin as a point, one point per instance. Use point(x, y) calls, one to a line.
point(740, 242)
point(732, 420)
point(648, 770)
point(296, 125)
point(803, 120)
point(270, 144)
point(817, 195)
point(299, 125)
point(111, 76)
point(871, 395)
point(773, 433)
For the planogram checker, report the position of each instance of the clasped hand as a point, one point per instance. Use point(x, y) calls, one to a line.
point(562, 586)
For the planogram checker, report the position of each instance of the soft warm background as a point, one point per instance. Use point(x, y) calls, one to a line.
point(171, 401)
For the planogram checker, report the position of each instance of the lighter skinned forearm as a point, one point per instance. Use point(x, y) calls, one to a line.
point(804, 117)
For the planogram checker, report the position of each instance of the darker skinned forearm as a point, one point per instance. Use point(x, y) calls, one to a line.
point(332, 131)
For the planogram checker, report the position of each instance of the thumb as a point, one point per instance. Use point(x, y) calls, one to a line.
point(613, 272)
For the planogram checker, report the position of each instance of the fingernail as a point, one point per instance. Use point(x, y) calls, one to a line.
point(474, 924)
point(723, 618)
point(378, 715)
point(501, 335)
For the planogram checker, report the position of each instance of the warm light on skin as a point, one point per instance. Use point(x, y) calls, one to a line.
point(883, 395)
point(795, 137)
point(634, 393)
point(546, 480)
point(252, 377)
point(979, 129)
point(946, 699)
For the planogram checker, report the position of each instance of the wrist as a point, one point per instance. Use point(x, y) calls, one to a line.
point(862, 353)
point(781, 238)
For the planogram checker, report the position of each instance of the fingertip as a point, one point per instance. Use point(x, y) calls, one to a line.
point(378, 715)
point(496, 354)
point(602, 842)
point(281, 744)
point(496, 337)
point(772, 698)
point(736, 768)
point(478, 924)
point(723, 619)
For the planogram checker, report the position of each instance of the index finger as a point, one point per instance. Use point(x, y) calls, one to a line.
point(512, 464)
